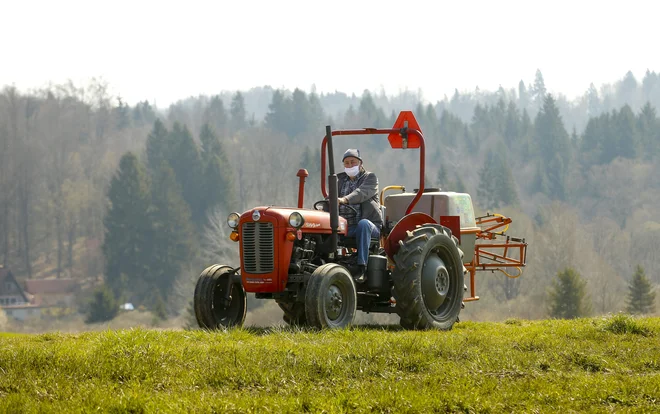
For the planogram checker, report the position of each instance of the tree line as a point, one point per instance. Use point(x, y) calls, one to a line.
point(72, 159)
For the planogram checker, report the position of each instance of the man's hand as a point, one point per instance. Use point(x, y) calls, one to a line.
point(342, 200)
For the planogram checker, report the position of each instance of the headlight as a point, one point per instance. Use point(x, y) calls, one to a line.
point(296, 220)
point(232, 220)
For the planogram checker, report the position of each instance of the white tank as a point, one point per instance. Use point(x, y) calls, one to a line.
point(438, 203)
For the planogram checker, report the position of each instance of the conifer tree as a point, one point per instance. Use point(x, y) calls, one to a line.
point(237, 112)
point(627, 89)
point(142, 114)
point(525, 132)
point(367, 110)
point(512, 125)
point(552, 147)
point(316, 161)
point(127, 244)
point(496, 185)
point(301, 115)
point(279, 115)
point(121, 113)
point(574, 139)
point(372, 115)
point(567, 296)
point(157, 146)
point(486, 189)
point(210, 143)
point(432, 121)
point(498, 115)
point(626, 129)
point(442, 177)
point(555, 173)
point(649, 131)
point(539, 90)
point(470, 142)
point(593, 101)
point(306, 159)
point(308, 162)
point(541, 182)
point(507, 193)
point(422, 120)
point(312, 188)
point(523, 96)
point(317, 113)
point(650, 83)
point(451, 128)
point(218, 182)
point(188, 169)
point(216, 116)
point(641, 296)
point(219, 185)
point(593, 140)
point(173, 234)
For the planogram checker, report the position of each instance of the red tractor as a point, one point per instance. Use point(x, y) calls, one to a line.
point(430, 240)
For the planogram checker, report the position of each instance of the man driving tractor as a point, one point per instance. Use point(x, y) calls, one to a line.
point(358, 188)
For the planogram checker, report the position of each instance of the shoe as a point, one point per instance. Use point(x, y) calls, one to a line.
point(358, 272)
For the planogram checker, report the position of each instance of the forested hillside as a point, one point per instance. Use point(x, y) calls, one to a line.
point(83, 175)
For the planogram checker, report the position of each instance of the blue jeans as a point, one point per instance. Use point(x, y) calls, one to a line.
point(363, 232)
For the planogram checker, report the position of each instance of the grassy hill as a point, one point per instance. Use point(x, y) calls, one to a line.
point(587, 365)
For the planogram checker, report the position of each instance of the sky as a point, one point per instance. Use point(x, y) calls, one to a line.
point(165, 51)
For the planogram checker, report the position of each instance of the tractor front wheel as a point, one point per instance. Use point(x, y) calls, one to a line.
point(428, 279)
point(331, 298)
point(212, 310)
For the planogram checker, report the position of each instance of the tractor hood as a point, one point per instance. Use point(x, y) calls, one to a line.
point(316, 221)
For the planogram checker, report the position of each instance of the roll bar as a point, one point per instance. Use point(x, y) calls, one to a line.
point(404, 132)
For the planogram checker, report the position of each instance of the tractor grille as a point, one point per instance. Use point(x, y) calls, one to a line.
point(258, 248)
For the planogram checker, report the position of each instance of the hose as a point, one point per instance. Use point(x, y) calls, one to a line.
point(509, 275)
point(506, 227)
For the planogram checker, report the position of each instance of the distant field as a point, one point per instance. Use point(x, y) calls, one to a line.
point(587, 365)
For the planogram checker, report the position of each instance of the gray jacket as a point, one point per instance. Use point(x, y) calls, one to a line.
point(366, 194)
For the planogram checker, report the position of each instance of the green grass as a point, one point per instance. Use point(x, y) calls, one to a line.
point(587, 365)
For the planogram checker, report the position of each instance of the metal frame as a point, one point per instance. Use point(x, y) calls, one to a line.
point(405, 131)
point(496, 261)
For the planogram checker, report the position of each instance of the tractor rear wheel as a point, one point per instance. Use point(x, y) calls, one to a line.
point(428, 279)
point(331, 298)
point(210, 310)
point(294, 313)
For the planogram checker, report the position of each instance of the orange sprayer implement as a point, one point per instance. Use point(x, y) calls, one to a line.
point(508, 254)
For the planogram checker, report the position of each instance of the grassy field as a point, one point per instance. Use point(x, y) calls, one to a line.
point(589, 365)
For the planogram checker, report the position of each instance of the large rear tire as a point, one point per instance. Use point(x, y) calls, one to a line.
point(210, 311)
point(331, 298)
point(428, 279)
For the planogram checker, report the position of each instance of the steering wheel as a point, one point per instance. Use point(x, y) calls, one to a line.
point(323, 208)
point(327, 206)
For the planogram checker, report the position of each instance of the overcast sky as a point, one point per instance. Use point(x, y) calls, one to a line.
point(165, 51)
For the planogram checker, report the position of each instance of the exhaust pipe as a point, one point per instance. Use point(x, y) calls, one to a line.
point(333, 195)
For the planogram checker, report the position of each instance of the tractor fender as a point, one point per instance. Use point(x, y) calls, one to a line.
point(400, 231)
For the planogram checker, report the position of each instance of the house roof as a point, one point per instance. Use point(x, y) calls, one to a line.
point(7, 276)
point(3, 273)
point(50, 286)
